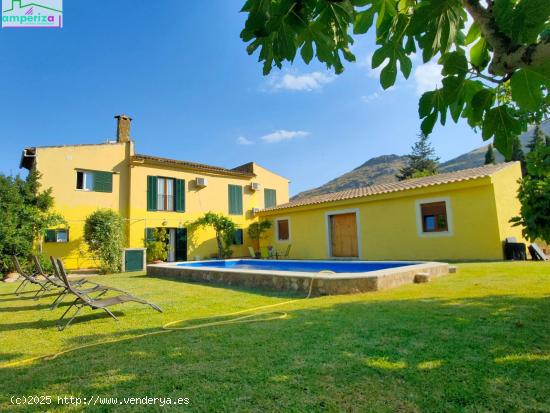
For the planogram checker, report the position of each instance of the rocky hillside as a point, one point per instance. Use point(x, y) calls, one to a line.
point(383, 169)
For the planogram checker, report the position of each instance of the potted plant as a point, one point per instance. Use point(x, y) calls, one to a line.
point(157, 248)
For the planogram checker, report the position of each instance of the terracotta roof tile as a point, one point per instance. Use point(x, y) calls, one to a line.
point(193, 165)
point(439, 179)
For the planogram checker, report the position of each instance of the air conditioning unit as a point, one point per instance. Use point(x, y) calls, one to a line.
point(201, 182)
point(255, 210)
point(255, 186)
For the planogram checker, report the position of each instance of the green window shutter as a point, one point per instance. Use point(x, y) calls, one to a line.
point(103, 181)
point(149, 236)
point(180, 195)
point(152, 193)
point(235, 199)
point(50, 236)
point(270, 198)
point(238, 237)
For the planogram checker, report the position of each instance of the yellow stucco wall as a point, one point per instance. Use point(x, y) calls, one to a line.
point(389, 225)
point(58, 166)
point(213, 197)
point(506, 188)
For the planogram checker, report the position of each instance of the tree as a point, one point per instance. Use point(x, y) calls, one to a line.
point(224, 228)
point(421, 161)
point(517, 152)
point(490, 155)
point(496, 73)
point(539, 138)
point(256, 231)
point(534, 194)
point(104, 234)
point(25, 214)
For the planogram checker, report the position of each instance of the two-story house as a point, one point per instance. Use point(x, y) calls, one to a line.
point(149, 192)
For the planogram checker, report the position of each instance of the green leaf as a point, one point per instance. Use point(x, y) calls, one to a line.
point(388, 75)
point(307, 52)
point(481, 102)
point(479, 54)
point(405, 65)
point(473, 34)
point(428, 124)
point(501, 125)
point(363, 21)
point(454, 63)
point(526, 89)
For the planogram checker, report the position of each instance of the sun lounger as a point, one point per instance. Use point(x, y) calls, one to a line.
point(537, 253)
point(95, 303)
point(43, 285)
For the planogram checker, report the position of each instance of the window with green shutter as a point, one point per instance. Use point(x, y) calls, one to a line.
point(180, 195)
point(103, 182)
point(235, 199)
point(50, 235)
point(238, 237)
point(270, 198)
point(57, 235)
point(151, 193)
point(94, 181)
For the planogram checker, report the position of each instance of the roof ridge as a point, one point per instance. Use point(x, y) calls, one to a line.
point(192, 164)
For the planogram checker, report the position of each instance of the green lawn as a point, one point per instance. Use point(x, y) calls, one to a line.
point(478, 340)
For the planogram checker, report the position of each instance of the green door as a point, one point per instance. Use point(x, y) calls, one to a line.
point(181, 244)
point(133, 260)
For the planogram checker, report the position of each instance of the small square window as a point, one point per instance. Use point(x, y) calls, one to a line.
point(434, 217)
point(85, 180)
point(61, 235)
point(283, 230)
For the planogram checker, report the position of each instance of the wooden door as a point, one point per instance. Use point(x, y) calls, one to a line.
point(343, 234)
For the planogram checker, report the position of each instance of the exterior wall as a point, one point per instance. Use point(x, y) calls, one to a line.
point(389, 228)
point(58, 167)
point(214, 197)
point(507, 203)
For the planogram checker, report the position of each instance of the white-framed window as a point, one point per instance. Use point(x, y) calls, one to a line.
point(165, 194)
point(434, 217)
point(85, 180)
point(282, 229)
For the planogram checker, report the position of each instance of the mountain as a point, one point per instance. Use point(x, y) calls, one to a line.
point(379, 170)
point(382, 169)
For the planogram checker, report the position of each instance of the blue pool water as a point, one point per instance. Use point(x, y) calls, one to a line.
point(299, 266)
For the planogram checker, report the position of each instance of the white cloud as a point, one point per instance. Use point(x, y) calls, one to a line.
point(241, 140)
point(427, 77)
point(306, 82)
point(283, 135)
point(370, 98)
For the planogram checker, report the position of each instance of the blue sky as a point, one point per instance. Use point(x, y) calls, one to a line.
point(182, 73)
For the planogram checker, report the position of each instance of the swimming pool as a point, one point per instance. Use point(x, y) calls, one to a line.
point(298, 266)
point(325, 277)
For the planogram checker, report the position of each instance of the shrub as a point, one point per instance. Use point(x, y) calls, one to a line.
point(224, 228)
point(104, 234)
point(257, 230)
point(25, 214)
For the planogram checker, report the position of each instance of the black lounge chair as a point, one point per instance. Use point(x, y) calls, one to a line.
point(43, 285)
point(95, 303)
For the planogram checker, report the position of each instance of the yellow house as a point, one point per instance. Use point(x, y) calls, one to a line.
point(149, 192)
point(462, 215)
